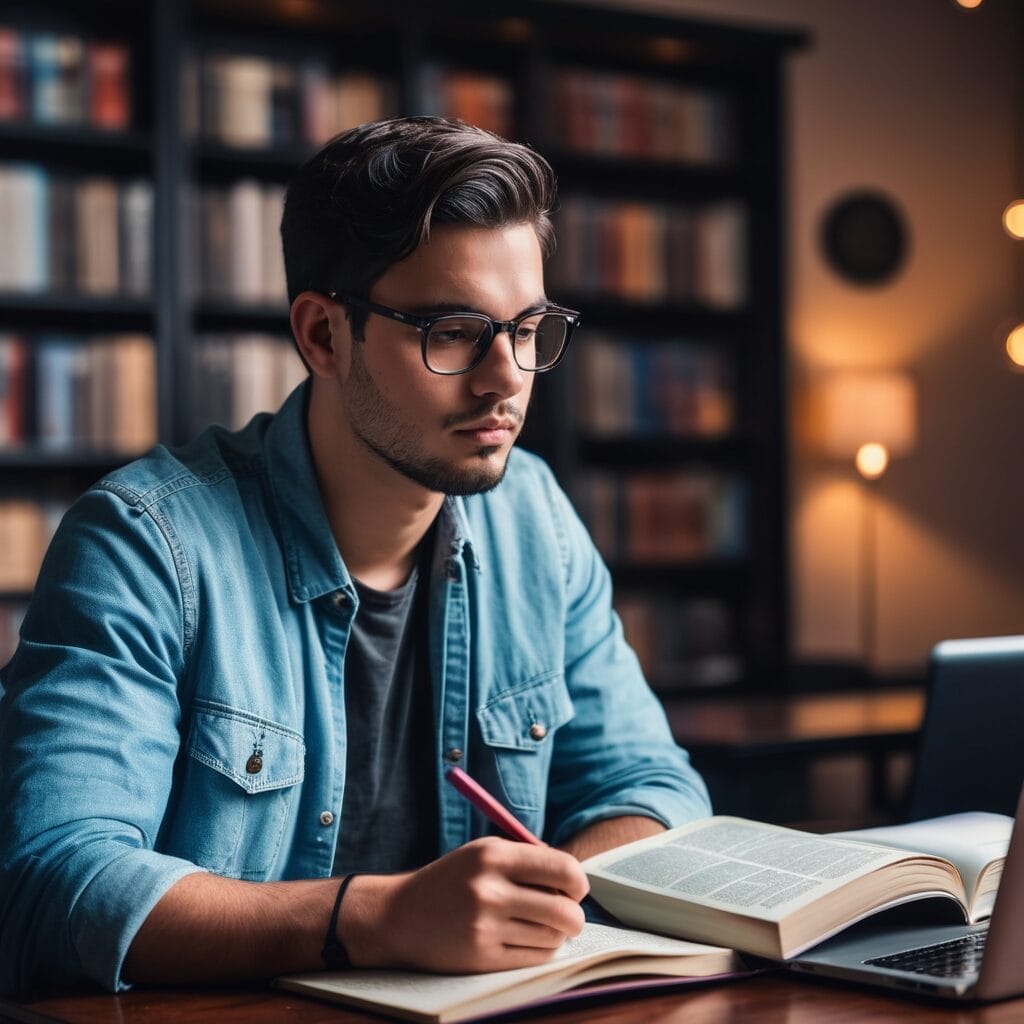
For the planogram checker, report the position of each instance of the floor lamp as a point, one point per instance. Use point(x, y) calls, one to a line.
point(867, 417)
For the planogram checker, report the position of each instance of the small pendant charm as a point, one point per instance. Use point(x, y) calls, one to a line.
point(255, 763)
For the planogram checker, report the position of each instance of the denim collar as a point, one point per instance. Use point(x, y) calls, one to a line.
point(312, 561)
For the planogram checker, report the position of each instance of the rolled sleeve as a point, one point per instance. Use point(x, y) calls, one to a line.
point(89, 734)
point(616, 757)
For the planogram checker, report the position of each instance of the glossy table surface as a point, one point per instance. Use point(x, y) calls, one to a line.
point(767, 999)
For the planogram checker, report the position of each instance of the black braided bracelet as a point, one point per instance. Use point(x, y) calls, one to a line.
point(334, 954)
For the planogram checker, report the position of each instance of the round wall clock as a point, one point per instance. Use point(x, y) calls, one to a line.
point(863, 237)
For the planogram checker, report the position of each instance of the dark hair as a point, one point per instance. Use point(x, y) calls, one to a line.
point(369, 197)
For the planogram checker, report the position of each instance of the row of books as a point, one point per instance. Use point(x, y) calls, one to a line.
point(11, 615)
point(649, 518)
point(647, 252)
point(682, 642)
point(92, 235)
point(619, 115)
point(26, 529)
point(236, 241)
point(481, 99)
point(255, 102)
point(64, 79)
point(645, 387)
point(97, 392)
point(237, 376)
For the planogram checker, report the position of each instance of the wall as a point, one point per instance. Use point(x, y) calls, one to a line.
point(916, 98)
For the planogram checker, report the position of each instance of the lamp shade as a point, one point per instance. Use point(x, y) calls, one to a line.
point(853, 408)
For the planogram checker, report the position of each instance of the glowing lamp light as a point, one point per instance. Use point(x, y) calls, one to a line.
point(872, 460)
point(1013, 219)
point(867, 416)
point(968, 4)
point(1015, 346)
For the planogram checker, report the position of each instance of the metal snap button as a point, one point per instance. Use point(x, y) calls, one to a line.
point(254, 765)
point(453, 755)
point(339, 598)
point(538, 731)
point(326, 818)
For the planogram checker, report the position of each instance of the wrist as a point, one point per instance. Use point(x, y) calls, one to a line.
point(366, 924)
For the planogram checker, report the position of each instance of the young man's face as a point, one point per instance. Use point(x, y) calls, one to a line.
point(450, 434)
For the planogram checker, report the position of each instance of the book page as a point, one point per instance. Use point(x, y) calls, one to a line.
point(972, 841)
point(428, 995)
point(759, 870)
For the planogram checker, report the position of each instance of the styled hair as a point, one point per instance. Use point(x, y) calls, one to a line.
point(370, 196)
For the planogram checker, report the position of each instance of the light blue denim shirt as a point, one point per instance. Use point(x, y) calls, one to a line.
point(193, 611)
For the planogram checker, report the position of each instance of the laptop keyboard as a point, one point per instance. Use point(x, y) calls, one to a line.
point(952, 959)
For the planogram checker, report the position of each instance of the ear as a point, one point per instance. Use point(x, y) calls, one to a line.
point(322, 333)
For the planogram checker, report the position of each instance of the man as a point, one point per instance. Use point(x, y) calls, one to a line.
point(248, 661)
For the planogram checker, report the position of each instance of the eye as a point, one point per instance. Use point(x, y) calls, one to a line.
point(448, 336)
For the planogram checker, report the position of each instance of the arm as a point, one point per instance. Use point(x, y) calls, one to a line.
point(482, 907)
point(616, 758)
point(611, 832)
point(88, 740)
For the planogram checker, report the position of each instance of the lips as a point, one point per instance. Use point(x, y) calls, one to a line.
point(489, 432)
point(488, 426)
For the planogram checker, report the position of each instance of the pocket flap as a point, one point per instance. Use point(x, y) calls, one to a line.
point(526, 718)
point(253, 752)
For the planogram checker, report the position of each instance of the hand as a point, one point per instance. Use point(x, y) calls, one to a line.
point(490, 905)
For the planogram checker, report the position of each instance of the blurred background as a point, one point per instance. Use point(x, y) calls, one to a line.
point(792, 417)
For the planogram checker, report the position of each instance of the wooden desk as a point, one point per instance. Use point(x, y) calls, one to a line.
point(766, 999)
point(761, 739)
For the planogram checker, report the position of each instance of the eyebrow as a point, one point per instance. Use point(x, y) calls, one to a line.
point(432, 308)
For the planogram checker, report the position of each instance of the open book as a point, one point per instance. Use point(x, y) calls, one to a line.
point(598, 953)
point(775, 891)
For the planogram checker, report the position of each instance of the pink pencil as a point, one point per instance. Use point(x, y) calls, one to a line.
point(489, 807)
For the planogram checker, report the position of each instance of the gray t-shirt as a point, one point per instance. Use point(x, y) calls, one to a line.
point(389, 811)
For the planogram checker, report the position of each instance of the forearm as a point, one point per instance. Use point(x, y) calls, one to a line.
point(489, 905)
point(603, 835)
point(206, 928)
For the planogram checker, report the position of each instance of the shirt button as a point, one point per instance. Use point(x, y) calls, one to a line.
point(339, 599)
point(538, 731)
point(453, 755)
point(326, 818)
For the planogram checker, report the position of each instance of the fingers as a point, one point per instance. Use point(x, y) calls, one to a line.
point(544, 867)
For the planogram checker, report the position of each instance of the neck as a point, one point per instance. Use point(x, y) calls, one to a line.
point(377, 516)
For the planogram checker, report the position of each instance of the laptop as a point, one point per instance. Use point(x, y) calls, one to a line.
point(975, 707)
point(972, 684)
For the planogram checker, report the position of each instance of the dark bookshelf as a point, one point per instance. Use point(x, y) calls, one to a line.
point(526, 44)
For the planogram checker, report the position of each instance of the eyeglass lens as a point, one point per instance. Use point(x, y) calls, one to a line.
point(454, 342)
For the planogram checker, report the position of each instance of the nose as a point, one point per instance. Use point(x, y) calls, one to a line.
point(498, 373)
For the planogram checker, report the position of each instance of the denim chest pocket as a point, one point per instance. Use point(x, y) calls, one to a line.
point(519, 726)
point(241, 777)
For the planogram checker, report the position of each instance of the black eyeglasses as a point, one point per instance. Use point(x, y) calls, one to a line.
point(456, 342)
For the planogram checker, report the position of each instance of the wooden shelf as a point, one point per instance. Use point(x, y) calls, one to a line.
point(75, 312)
point(638, 451)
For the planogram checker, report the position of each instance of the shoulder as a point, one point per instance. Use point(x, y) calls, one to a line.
point(217, 456)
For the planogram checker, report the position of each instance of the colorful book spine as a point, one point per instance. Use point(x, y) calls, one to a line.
point(91, 235)
point(646, 253)
point(26, 529)
point(637, 388)
point(249, 101)
point(96, 393)
point(682, 642)
point(634, 117)
point(239, 240)
point(654, 518)
point(242, 375)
